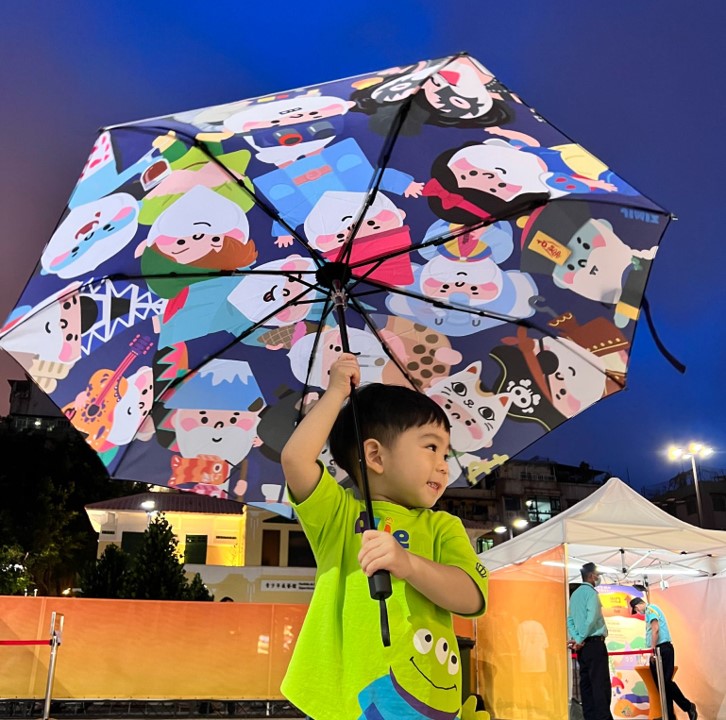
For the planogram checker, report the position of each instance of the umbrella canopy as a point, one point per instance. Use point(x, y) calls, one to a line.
point(626, 535)
point(183, 317)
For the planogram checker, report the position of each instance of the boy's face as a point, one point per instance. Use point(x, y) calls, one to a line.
point(415, 473)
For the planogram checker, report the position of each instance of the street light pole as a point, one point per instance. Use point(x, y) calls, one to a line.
point(698, 491)
point(693, 449)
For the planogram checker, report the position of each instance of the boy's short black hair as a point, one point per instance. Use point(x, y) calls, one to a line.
point(385, 412)
point(588, 569)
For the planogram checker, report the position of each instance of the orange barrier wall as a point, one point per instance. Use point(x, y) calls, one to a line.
point(146, 649)
point(522, 667)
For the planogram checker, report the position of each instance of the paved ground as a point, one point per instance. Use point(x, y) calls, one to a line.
point(167, 710)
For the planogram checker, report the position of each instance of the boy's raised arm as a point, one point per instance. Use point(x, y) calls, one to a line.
point(300, 455)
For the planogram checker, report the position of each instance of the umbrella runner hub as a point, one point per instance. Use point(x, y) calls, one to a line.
point(332, 274)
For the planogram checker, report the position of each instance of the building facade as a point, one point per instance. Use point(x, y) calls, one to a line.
point(678, 497)
point(518, 495)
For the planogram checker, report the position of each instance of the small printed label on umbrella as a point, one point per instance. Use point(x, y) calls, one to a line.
point(549, 247)
point(288, 585)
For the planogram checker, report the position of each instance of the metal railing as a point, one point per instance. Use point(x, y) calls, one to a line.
point(56, 636)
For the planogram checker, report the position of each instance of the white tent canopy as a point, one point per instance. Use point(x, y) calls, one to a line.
point(626, 535)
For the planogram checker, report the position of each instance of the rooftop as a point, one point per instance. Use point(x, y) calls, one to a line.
point(183, 502)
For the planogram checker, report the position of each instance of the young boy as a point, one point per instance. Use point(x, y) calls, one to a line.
point(340, 669)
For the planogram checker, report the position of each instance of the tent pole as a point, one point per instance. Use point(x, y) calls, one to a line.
point(570, 668)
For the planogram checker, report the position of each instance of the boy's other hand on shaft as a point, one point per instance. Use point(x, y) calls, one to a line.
point(381, 551)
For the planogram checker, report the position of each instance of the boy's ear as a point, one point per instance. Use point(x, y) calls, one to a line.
point(372, 453)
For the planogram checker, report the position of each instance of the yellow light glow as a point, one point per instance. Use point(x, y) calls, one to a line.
point(500, 529)
point(674, 453)
point(520, 523)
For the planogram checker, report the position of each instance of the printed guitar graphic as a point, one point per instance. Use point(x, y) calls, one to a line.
point(92, 411)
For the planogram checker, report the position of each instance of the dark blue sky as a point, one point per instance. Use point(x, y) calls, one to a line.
point(639, 84)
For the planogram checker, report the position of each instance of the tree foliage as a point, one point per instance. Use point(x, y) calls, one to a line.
point(46, 479)
point(157, 571)
point(154, 572)
point(14, 576)
point(106, 577)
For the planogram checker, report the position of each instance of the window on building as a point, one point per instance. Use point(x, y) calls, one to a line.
point(271, 548)
point(511, 503)
point(541, 508)
point(484, 543)
point(718, 501)
point(131, 542)
point(195, 550)
point(691, 506)
point(299, 552)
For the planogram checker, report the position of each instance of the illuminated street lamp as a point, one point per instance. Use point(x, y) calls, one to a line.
point(693, 450)
point(517, 524)
point(149, 506)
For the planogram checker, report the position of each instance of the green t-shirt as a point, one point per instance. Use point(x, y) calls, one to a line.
point(339, 667)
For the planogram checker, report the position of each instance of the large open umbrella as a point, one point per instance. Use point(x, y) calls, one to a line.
point(211, 264)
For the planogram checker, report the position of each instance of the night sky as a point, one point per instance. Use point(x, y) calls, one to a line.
point(639, 84)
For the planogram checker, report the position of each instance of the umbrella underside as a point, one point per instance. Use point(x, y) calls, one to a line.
point(181, 313)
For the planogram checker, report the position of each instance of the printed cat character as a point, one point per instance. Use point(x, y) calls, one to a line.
point(475, 415)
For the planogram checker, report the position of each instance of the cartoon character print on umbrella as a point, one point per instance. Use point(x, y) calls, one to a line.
point(586, 255)
point(213, 415)
point(450, 92)
point(549, 379)
point(475, 415)
point(103, 174)
point(264, 300)
point(48, 332)
point(298, 136)
point(90, 235)
point(454, 292)
point(381, 232)
point(48, 339)
point(111, 409)
point(496, 175)
point(422, 355)
point(201, 230)
point(371, 356)
point(465, 271)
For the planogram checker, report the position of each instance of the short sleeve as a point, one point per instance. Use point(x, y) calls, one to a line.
point(328, 506)
point(456, 550)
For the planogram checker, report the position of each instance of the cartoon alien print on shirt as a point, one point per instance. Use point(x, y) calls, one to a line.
point(427, 665)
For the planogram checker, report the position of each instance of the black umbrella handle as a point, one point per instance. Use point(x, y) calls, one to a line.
point(379, 584)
